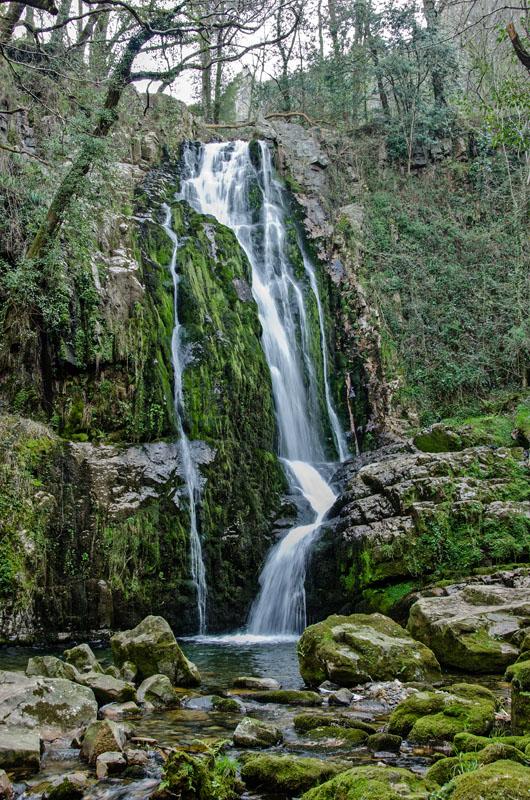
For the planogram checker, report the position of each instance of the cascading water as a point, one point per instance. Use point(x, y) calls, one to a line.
point(191, 475)
point(222, 180)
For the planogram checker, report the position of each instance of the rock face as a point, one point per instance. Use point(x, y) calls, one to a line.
point(49, 705)
point(407, 517)
point(253, 733)
point(361, 648)
point(475, 628)
point(152, 647)
point(441, 715)
point(20, 751)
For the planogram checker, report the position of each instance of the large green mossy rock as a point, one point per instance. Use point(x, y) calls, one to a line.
point(446, 769)
point(83, 659)
point(361, 648)
point(152, 647)
point(502, 780)
point(520, 709)
point(372, 783)
point(206, 777)
point(304, 723)
point(288, 697)
point(475, 629)
point(469, 743)
point(51, 667)
point(441, 715)
point(255, 733)
point(287, 775)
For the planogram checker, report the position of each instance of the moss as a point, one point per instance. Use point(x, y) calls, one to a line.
point(66, 790)
point(227, 705)
point(289, 697)
point(497, 781)
point(384, 742)
point(469, 743)
point(286, 775)
point(447, 768)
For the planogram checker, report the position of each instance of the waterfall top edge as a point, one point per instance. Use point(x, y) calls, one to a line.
point(241, 639)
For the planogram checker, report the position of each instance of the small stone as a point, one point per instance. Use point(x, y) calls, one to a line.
point(118, 711)
point(254, 733)
point(256, 683)
point(128, 672)
point(228, 705)
point(136, 758)
point(343, 697)
point(109, 764)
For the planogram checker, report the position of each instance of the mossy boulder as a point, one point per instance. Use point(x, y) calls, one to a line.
point(152, 647)
point(361, 648)
point(287, 775)
point(475, 628)
point(440, 715)
point(384, 743)
point(157, 691)
point(51, 667)
point(446, 769)
point(254, 733)
point(520, 709)
point(372, 783)
point(20, 751)
point(83, 659)
point(288, 697)
point(191, 777)
point(103, 736)
point(352, 736)
point(470, 743)
point(308, 722)
point(228, 705)
point(260, 684)
point(501, 780)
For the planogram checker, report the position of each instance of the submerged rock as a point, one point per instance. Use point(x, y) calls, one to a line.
point(157, 691)
point(228, 705)
point(440, 715)
point(20, 751)
point(342, 697)
point(83, 658)
point(250, 682)
point(476, 628)
point(287, 775)
point(362, 648)
point(51, 705)
point(373, 783)
point(51, 667)
point(254, 733)
point(152, 647)
point(102, 737)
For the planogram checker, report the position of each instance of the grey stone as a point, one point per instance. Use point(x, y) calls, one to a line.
point(20, 751)
point(109, 765)
point(254, 733)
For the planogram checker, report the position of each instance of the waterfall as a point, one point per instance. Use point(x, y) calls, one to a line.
point(191, 475)
point(224, 181)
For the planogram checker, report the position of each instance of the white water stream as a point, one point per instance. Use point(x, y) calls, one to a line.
point(221, 179)
point(191, 475)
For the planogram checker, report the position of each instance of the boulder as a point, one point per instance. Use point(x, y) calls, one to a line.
point(102, 737)
point(308, 722)
point(287, 776)
point(51, 705)
point(136, 758)
point(502, 780)
point(128, 672)
point(520, 708)
point(6, 787)
point(445, 769)
point(51, 667)
point(114, 672)
point(152, 647)
point(476, 628)
point(384, 743)
point(353, 737)
point(83, 658)
point(469, 743)
point(261, 684)
point(254, 733)
point(108, 689)
point(109, 764)
point(288, 697)
point(228, 705)
point(157, 691)
point(20, 751)
point(342, 697)
point(118, 711)
point(362, 648)
point(376, 782)
point(73, 787)
point(440, 715)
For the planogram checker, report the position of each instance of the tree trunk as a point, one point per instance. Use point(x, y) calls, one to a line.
point(57, 36)
point(9, 20)
point(108, 115)
point(218, 78)
point(522, 54)
point(334, 27)
point(437, 73)
point(206, 77)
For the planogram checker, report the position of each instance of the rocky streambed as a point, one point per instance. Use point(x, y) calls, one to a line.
point(355, 709)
